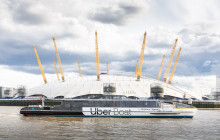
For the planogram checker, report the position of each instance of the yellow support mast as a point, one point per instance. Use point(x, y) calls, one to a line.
point(41, 68)
point(58, 59)
point(174, 67)
point(141, 59)
point(136, 69)
point(170, 61)
point(80, 73)
point(58, 78)
point(161, 66)
point(107, 68)
point(97, 58)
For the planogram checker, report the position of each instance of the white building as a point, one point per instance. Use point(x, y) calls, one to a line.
point(124, 85)
point(9, 92)
point(6, 92)
point(216, 91)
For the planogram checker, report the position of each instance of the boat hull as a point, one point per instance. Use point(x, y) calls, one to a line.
point(123, 108)
point(42, 115)
point(115, 112)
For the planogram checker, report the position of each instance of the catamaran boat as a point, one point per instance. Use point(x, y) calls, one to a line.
point(99, 105)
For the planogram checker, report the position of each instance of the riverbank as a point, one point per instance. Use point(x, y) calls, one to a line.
point(203, 105)
point(208, 108)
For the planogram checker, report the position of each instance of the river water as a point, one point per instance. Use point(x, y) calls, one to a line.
point(205, 125)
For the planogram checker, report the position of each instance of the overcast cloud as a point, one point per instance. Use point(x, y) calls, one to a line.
point(120, 25)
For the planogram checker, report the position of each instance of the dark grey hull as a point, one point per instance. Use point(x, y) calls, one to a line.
point(108, 108)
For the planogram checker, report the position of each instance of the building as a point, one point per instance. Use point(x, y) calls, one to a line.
point(215, 92)
point(9, 92)
point(20, 91)
point(110, 84)
point(118, 84)
point(6, 92)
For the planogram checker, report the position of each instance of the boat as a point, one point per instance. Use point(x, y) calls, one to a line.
point(100, 105)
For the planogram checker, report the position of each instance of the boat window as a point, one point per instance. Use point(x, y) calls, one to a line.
point(46, 108)
point(67, 104)
point(107, 97)
point(116, 97)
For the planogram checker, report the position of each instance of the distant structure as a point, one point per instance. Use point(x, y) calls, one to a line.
point(9, 92)
point(20, 92)
point(6, 92)
point(216, 91)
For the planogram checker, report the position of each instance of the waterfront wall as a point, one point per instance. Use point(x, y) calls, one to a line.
point(25, 102)
point(205, 104)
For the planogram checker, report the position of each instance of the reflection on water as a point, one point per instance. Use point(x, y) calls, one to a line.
point(205, 125)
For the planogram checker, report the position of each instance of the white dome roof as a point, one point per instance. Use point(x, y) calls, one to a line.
point(125, 85)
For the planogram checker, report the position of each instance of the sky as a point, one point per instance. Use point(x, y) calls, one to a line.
point(120, 25)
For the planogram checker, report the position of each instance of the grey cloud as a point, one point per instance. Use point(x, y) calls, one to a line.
point(159, 45)
point(21, 57)
point(118, 15)
point(22, 14)
point(200, 38)
point(200, 29)
point(188, 64)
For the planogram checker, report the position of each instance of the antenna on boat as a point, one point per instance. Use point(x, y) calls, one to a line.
point(58, 78)
point(170, 61)
point(174, 67)
point(39, 63)
point(141, 59)
point(161, 66)
point(97, 58)
point(58, 59)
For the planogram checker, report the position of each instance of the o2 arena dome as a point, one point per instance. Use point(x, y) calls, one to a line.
point(109, 84)
point(128, 84)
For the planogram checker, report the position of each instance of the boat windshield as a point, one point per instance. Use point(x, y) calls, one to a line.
point(101, 96)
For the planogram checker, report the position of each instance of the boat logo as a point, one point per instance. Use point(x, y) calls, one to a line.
point(108, 111)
